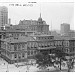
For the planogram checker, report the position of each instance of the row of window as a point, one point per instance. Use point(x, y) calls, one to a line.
point(23, 54)
point(15, 35)
point(58, 42)
point(19, 46)
point(28, 27)
point(45, 38)
point(31, 52)
point(46, 44)
point(66, 43)
point(19, 56)
point(72, 50)
point(72, 43)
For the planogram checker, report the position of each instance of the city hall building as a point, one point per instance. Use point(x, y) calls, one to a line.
point(17, 46)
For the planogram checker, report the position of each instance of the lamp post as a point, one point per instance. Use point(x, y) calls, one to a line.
point(27, 66)
point(69, 63)
point(7, 69)
point(52, 55)
point(17, 63)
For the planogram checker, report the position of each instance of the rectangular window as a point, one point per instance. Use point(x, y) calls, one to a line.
point(55, 43)
point(74, 49)
point(39, 38)
point(23, 55)
point(15, 55)
point(74, 43)
point(45, 38)
point(8, 46)
point(31, 52)
point(48, 44)
point(51, 37)
point(60, 43)
point(31, 45)
point(34, 52)
point(45, 44)
point(19, 46)
point(15, 47)
point(51, 43)
point(23, 45)
point(35, 45)
point(28, 52)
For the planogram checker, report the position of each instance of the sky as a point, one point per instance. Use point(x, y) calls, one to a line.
point(54, 13)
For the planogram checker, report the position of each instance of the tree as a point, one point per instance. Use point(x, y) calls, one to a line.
point(60, 55)
point(42, 59)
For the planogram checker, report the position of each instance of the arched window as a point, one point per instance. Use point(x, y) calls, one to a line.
point(31, 52)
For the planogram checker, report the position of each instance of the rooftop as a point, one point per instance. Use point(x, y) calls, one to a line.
point(14, 30)
point(19, 40)
point(41, 35)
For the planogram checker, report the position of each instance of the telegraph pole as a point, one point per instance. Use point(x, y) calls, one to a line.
point(51, 26)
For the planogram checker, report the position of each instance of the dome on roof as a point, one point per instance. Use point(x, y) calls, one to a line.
point(39, 19)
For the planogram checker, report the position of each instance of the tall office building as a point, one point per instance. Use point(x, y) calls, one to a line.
point(65, 28)
point(3, 16)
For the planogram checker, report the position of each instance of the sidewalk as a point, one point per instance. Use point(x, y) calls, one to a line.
point(52, 69)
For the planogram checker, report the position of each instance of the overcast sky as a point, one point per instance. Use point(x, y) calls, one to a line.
point(57, 12)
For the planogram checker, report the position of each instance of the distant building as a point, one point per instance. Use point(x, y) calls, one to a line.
point(71, 33)
point(55, 34)
point(33, 25)
point(66, 44)
point(69, 45)
point(3, 16)
point(9, 21)
point(65, 28)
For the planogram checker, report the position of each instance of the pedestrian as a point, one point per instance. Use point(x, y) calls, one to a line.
point(72, 64)
point(4, 63)
point(48, 69)
point(58, 66)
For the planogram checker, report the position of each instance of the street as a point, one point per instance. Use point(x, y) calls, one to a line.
point(5, 67)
